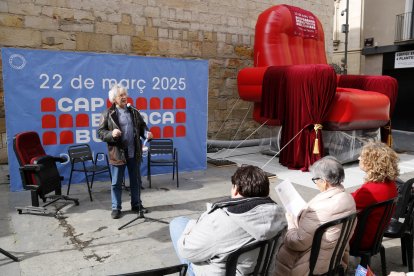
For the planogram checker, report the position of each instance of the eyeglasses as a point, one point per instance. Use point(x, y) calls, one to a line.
point(314, 179)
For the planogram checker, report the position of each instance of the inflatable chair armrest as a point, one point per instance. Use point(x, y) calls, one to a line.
point(382, 84)
point(249, 83)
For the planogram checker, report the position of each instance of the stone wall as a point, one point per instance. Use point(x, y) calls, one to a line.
point(221, 31)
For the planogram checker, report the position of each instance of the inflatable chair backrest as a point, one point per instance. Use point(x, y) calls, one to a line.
point(287, 35)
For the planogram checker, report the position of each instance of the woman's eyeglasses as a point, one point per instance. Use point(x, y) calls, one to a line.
point(314, 179)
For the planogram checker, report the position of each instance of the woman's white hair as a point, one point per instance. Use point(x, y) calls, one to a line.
point(330, 169)
point(115, 90)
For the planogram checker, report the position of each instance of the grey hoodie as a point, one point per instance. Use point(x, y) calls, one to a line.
point(228, 226)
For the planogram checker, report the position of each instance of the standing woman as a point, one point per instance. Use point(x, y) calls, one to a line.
point(121, 128)
point(380, 164)
point(332, 203)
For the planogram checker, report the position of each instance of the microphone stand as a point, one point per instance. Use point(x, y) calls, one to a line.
point(141, 216)
point(140, 211)
point(11, 256)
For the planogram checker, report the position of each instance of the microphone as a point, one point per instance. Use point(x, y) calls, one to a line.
point(131, 106)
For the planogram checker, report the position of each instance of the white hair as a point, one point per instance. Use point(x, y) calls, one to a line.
point(330, 169)
point(115, 90)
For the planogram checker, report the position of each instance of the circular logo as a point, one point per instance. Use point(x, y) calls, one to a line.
point(17, 61)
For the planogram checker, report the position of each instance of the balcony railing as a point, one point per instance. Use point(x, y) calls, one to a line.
point(404, 29)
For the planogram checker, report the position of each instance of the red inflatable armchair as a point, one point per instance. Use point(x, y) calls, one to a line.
point(292, 85)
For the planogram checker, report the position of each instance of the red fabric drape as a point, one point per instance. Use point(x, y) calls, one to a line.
point(382, 84)
point(273, 100)
point(300, 97)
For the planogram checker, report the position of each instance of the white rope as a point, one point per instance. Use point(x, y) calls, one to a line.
point(257, 129)
point(238, 129)
point(225, 120)
point(282, 148)
point(236, 132)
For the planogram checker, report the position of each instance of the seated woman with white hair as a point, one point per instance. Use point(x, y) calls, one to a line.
point(332, 203)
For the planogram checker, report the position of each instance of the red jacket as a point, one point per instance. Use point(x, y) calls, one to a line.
point(369, 194)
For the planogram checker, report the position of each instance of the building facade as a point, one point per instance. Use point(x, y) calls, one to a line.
point(391, 53)
point(381, 42)
point(221, 32)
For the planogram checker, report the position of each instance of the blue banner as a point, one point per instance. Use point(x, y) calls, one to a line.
point(61, 95)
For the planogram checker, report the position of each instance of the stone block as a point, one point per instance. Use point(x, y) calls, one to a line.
point(106, 28)
point(11, 20)
point(152, 11)
point(209, 18)
point(82, 15)
point(114, 18)
point(126, 19)
point(243, 51)
point(59, 40)
point(151, 32)
point(213, 93)
point(121, 43)
point(41, 23)
point(224, 49)
point(246, 40)
point(139, 30)
point(182, 25)
point(229, 73)
point(172, 13)
point(209, 36)
point(69, 26)
point(20, 37)
point(126, 29)
point(228, 89)
point(219, 115)
point(74, 4)
point(221, 37)
point(177, 34)
point(4, 7)
point(194, 26)
point(24, 8)
point(196, 48)
point(143, 46)
point(233, 63)
point(193, 35)
point(93, 42)
point(171, 47)
point(163, 33)
point(132, 8)
point(209, 49)
point(58, 13)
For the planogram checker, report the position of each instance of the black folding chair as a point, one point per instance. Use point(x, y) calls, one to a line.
point(346, 230)
point(161, 152)
point(403, 229)
point(181, 269)
point(387, 208)
point(81, 160)
point(266, 251)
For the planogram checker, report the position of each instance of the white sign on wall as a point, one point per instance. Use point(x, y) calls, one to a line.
point(404, 59)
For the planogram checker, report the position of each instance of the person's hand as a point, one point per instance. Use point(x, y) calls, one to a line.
point(290, 220)
point(116, 133)
point(149, 135)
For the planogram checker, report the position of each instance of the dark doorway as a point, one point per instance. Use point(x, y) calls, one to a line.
point(403, 117)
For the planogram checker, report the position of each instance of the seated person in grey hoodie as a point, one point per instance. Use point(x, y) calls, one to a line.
point(248, 216)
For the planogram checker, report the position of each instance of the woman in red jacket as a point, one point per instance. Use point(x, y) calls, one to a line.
point(380, 163)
